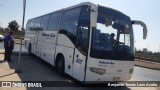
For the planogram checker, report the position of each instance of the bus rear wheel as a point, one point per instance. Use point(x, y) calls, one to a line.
point(30, 49)
point(60, 66)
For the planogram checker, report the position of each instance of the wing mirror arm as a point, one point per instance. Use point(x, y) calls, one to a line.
point(143, 25)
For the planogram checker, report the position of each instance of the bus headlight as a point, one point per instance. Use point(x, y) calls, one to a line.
point(130, 71)
point(98, 70)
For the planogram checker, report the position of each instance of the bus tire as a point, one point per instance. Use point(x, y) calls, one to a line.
point(60, 66)
point(30, 49)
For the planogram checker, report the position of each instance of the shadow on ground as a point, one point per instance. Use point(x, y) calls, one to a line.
point(35, 69)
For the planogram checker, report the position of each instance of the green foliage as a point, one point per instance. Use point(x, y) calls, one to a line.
point(13, 25)
point(149, 56)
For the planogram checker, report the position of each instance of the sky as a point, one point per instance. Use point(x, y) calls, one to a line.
point(147, 11)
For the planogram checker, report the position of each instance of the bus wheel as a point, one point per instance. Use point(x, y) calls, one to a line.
point(30, 49)
point(60, 65)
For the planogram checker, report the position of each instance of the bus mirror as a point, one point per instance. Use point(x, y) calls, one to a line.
point(144, 27)
point(144, 33)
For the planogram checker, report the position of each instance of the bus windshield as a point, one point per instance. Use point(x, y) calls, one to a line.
point(113, 36)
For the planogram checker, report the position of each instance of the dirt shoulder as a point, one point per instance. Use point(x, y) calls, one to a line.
point(147, 64)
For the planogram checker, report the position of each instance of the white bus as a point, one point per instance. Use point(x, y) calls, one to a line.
point(90, 42)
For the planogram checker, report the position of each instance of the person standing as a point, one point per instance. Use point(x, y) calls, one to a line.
point(9, 46)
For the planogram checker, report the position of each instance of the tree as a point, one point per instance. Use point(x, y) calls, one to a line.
point(13, 25)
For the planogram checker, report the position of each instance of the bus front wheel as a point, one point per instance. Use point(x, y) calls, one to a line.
point(60, 65)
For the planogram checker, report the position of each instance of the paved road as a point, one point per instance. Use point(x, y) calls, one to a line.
point(35, 69)
point(145, 74)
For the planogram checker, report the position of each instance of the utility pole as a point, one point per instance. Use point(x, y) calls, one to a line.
point(0, 22)
point(19, 70)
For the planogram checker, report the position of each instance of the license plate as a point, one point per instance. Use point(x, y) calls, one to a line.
point(116, 78)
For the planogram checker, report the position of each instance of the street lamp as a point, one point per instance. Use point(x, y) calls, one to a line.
point(18, 70)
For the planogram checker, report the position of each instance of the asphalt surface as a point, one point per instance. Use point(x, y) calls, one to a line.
point(35, 69)
point(145, 74)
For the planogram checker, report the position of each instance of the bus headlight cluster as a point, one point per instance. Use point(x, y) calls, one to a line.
point(98, 70)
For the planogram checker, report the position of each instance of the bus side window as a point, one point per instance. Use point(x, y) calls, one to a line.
point(37, 24)
point(69, 23)
point(28, 25)
point(54, 21)
point(44, 22)
point(82, 39)
point(83, 30)
point(31, 24)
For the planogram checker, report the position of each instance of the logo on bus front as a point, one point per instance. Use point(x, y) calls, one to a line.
point(106, 64)
point(79, 61)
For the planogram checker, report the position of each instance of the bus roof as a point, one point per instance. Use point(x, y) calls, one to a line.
point(81, 4)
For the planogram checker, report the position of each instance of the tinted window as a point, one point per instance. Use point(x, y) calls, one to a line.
point(83, 30)
point(37, 23)
point(54, 21)
point(69, 23)
point(30, 24)
point(45, 21)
